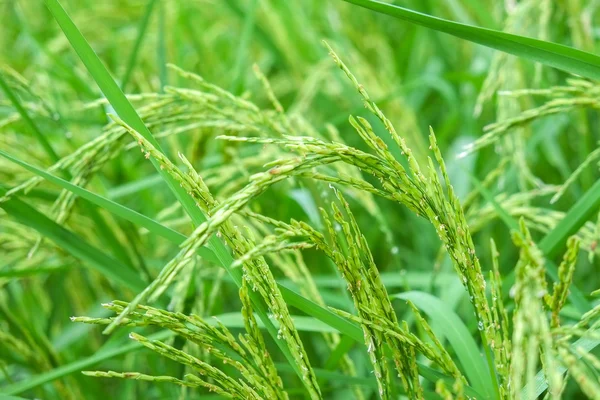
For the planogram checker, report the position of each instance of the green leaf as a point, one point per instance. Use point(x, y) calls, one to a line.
point(243, 46)
point(129, 188)
point(161, 48)
point(73, 243)
point(451, 327)
point(554, 240)
point(302, 323)
point(138, 43)
point(578, 215)
point(552, 54)
point(112, 207)
point(338, 378)
point(540, 383)
point(339, 351)
point(433, 376)
point(77, 366)
point(341, 324)
point(31, 271)
point(25, 116)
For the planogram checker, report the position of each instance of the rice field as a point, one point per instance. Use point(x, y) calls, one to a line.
point(267, 199)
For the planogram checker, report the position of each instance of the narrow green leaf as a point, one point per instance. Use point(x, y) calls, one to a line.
point(25, 116)
point(540, 382)
point(341, 324)
point(244, 44)
point(450, 326)
point(107, 236)
point(112, 207)
point(77, 366)
point(339, 378)
point(32, 271)
point(133, 187)
point(161, 49)
point(433, 376)
point(73, 243)
point(302, 323)
point(553, 241)
point(552, 54)
point(138, 43)
point(343, 347)
point(411, 279)
point(578, 214)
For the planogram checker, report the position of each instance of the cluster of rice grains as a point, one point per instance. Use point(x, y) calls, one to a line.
point(248, 371)
point(247, 355)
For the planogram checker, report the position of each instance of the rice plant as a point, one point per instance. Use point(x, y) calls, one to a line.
point(280, 200)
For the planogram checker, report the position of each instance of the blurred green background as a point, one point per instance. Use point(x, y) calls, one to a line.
point(419, 78)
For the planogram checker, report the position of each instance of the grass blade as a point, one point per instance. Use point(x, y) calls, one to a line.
point(581, 212)
point(552, 54)
point(540, 382)
point(161, 49)
point(244, 44)
point(112, 207)
point(29, 272)
point(25, 116)
point(73, 243)
point(78, 366)
point(554, 240)
point(433, 376)
point(130, 188)
point(138, 44)
point(314, 310)
point(450, 326)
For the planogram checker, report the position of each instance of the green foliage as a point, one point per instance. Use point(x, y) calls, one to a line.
point(298, 204)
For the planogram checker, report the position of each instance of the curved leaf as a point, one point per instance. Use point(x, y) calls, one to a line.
point(451, 327)
point(552, 54)
point(74, 244)
point(112, 207)
point(541, 384)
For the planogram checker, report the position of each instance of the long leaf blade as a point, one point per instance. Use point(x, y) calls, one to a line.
point(112, 207)
point(450, 326)
point(73, 243)
point(552, 54)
